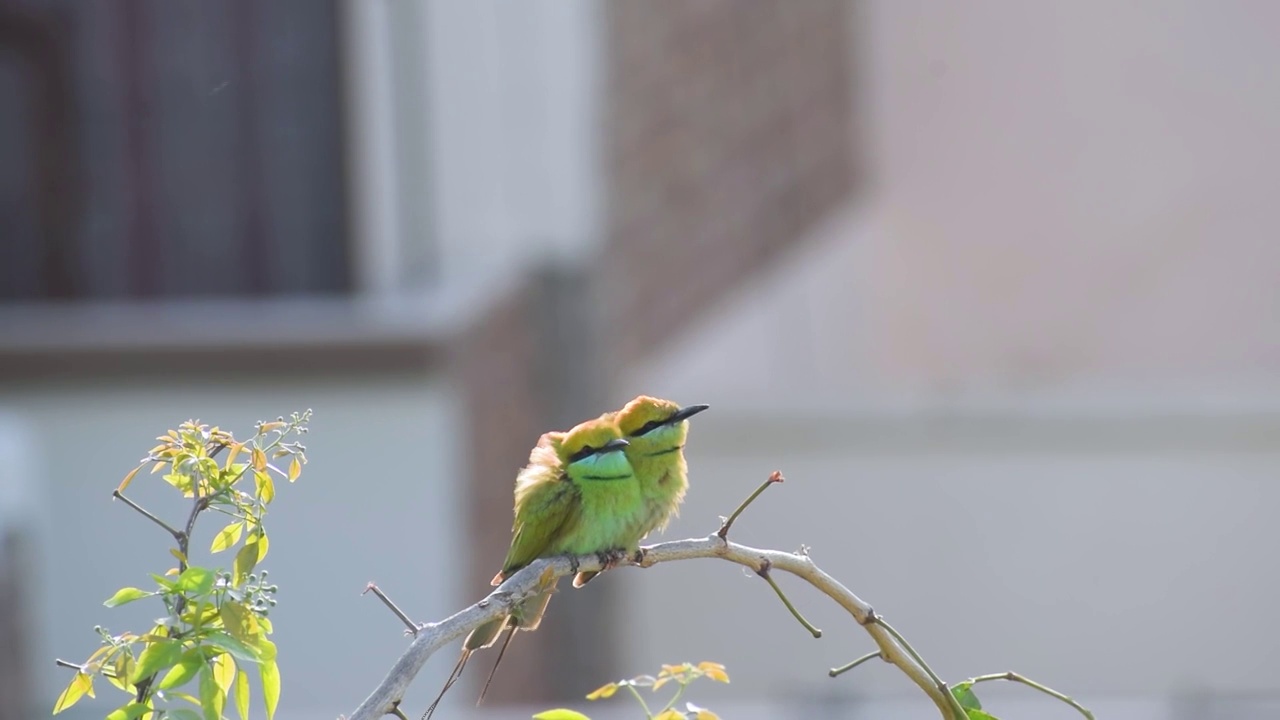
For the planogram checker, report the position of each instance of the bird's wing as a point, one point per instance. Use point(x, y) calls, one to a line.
point(548, 506)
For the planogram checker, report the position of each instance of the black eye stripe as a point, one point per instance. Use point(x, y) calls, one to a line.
point(585, 452)
point(648, 427)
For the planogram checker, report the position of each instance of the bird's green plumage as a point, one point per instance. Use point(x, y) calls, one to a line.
point(577, 495)
point(656, 430)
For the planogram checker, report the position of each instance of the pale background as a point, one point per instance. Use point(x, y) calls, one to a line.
point(1034, 355)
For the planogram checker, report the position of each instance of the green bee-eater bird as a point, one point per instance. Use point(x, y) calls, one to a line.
point(656, 430)
point(577, 495)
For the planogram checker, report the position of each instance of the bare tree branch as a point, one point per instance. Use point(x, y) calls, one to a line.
point(433, 636)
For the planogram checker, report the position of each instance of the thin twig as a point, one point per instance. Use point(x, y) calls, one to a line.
point(145, 513)
point(953, 702)
point(764, 573)
point(1015, 677)
point(723, 532)
point(525, 583)
point(413, 627)
point(63, 663)
point(837, 672)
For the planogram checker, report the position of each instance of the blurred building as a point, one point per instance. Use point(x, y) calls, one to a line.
point(991, 286)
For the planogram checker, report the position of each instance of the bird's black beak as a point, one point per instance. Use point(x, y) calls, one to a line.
point(613, 446)
point(686, 412)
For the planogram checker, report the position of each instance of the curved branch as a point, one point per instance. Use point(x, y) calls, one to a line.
point(433, 636)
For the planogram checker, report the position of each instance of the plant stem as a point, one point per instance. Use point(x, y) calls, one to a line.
point(1015, 677)
point(145, 513)
point(768, 577)
point(723, 532)
point(837, 672)
point(647, 712)
point(413, 628)
point(956, 708)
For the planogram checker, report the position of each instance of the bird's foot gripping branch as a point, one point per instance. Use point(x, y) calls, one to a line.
point(954, 701)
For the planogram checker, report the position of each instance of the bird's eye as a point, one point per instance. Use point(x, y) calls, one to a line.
point(649, 427)
point(585, 452)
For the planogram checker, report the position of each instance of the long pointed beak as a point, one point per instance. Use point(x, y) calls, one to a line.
point(687, 412)
point(613, 446)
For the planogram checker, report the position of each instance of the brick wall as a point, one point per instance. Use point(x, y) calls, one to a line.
point(728, 135)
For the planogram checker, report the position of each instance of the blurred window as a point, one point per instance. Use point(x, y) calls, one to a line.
point(167, 148)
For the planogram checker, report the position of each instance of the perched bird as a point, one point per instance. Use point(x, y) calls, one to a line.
point(578, 495)
point(656, 430)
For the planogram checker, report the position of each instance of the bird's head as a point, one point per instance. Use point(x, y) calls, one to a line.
point(593, 450)
point(655, 426)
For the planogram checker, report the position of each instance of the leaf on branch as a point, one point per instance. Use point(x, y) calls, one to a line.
point(270, 686)
point(259, 460)
point(701, 713)
point(295, 469)
point(186, 669)
point(224, 672)
point(76, 689)
point(560, 714)
point(246, 559)
point(126, 595)
point(714, 670)
point(239, 650)
point(128, 712)
point(211, 697)
point(242, 695)
point(129, 478)
point(963, 693)
point(227, 537)
point(266, 487)
point(603, 691)
point(669, 715)
point(195, 582)
point(158, 655)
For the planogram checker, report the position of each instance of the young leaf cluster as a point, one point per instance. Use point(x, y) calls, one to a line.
point(679, 675)
point(198, 655)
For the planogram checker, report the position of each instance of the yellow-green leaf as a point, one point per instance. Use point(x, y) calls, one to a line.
point(242, 695)
point(158, 655)
point(266, 649)
point(228, 536)
point(270, 686)
point(963, 693)
point(129, 478)
point(560, 714)
point(603, 691)
point(237, 620)
point(265, 485)
point(126, 595)
point(186, 669)
point(122, 667)
point(246, 558)
point(295, 469)
point(259, 460)
point(178, 554)
point(195, 581)
point(262, 544)
point(127, 712)
point(232, 453)
point(211, 697)
point(224, 672)
point(245, 651)
point(76, 689)
point(669, 715)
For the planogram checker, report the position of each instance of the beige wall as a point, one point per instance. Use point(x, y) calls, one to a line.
point(1044, 343)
